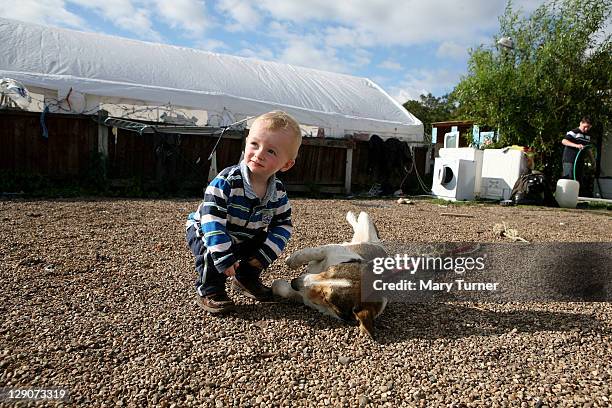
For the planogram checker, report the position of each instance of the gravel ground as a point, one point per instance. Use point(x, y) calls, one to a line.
point(97, 297)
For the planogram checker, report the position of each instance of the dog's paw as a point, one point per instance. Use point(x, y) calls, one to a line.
point(283, 289)
point(292, 261)
point(350, 218)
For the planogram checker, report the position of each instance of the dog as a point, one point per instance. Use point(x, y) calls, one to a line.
point(332, 282)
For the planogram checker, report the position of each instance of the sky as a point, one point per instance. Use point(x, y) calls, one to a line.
point(408, 47)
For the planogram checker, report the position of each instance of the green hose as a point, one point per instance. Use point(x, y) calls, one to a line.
point(577, 156)
point(594, 157)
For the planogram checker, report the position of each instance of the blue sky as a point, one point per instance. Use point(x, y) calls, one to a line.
point(408, 47)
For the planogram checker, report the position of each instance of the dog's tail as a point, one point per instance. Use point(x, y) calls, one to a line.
point(364, 229)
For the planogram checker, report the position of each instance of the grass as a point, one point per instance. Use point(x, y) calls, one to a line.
point(599, 205)
point(441, 201)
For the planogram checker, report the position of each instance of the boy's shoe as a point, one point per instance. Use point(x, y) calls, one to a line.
point(216, 302)
point(253, 289)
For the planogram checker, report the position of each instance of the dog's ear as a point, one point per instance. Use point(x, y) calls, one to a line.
point(365, 317)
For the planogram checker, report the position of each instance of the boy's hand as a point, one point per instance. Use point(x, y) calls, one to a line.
point(231, 271)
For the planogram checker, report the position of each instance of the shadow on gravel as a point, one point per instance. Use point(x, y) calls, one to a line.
point(401, 322)
point(284, 310)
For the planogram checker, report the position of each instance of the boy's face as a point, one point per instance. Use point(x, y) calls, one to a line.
point(268, 151)
point(585, 127)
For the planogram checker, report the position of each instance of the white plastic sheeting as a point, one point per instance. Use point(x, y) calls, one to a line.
point(103, 65)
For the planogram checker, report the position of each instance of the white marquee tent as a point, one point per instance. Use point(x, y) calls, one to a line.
point(111, 67)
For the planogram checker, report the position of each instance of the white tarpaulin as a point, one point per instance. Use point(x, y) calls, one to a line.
point(103, 65)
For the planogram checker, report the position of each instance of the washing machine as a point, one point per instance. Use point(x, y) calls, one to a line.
point(466, 153)
point(454, 179)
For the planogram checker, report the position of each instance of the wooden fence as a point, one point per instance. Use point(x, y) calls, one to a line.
point(66, 151)
point(172, 162)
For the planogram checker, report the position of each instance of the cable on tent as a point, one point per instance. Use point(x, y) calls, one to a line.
point(408, 171)
point(221, 135)
point(68, 99)
point(421, 182)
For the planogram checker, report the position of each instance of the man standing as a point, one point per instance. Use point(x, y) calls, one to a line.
point(574, 141)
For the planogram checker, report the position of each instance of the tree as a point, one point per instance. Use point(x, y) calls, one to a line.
point(430, 109)
point(559, 69)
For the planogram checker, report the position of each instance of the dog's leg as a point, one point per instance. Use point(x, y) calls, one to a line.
point(350, 218)
point(304, 256)
point(329, 254)
point(365, 230)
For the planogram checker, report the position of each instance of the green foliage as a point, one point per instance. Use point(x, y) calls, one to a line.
point(559, 70)
point(93, 180)
point(21, 182)
point(26, 184)
point(430, 109)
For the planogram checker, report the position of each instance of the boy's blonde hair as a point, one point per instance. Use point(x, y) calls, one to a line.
point(279, 120)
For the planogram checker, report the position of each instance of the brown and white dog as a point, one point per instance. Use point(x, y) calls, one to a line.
point(332, 282)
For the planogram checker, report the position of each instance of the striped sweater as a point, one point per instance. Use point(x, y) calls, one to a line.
point(574, 136)
point(231, 213)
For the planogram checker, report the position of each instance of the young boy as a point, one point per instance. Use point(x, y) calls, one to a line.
point(244, 222)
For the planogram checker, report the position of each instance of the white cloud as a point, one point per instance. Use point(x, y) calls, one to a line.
point(50, 12)
point(389, 22)
point(185, 15)
point(296, 10)
point(338, 36)
point(244, 14)
point(211, 45)
point(280, 30)
point(404, 95)
point(310, 50)
point(130, 15)
point(392, 65)
point(423, 81)
point(334, 33)
point(452, 50)
point(359, 58)
point(261, 53)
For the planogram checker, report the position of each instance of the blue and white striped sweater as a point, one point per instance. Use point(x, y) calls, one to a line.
point(231, 213)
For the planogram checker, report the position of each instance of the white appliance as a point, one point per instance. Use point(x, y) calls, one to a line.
point(500, 170)
point(466, 153)
point(451, 140)
point(454, 179)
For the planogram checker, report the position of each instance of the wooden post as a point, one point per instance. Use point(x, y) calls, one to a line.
point(349, 170)
point(103, 140)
